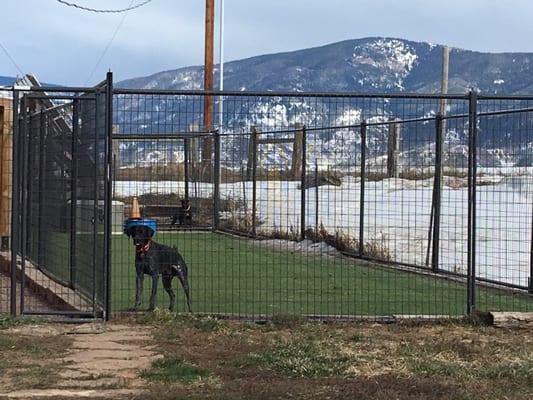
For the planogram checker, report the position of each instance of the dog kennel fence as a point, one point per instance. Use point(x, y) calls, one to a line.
point(287, 198)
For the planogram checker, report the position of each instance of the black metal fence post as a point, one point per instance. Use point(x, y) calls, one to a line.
point(108, 198)
point(302, 184)
point(530, 283)
point(316, 199)
point(437, 188)
point(15, 202)
point(186, 149)
point(362, 191)
point(216, 181)
point(472, 163)
point(23, 180)
point(254, 180)
point(33, 120)
point(74, 191)
point(42, 147)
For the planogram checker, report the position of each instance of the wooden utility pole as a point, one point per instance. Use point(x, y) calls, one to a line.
point(297, 150)
point(207, 148)
point(445, 76)
point(393, 150)
point(252, 152)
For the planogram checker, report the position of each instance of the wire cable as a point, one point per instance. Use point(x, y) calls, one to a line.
point(95, 10)
point(11, 59)
point(108, 44)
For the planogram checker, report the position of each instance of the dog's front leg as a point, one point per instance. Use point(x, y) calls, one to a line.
point(139, 283)
point(155, 280)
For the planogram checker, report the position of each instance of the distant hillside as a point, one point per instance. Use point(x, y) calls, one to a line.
point(363, 65)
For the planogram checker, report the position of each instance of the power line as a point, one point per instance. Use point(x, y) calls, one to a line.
point(109, 43)
point(11, 59)
point(122, 10)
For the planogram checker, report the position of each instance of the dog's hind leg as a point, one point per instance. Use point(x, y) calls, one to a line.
point(181, 272)
point(155, 279)
point(167, 284)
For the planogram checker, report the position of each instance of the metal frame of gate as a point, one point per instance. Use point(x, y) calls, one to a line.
point(49, 235)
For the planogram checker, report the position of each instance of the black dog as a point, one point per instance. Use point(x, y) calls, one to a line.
point(155, 259)
point(184, 215)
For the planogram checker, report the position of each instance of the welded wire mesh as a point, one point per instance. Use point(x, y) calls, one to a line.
point(304, 204)
point(308, 186)
point(61, 142)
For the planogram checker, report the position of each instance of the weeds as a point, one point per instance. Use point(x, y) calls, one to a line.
point(9, 322)
point(300, 358)
point(173, 370)
point(37, 377)
point(374, 248)
point(239, 221)
point(287, 320)
point(174, 323)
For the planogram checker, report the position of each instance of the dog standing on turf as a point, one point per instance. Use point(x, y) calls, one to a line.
point(155, 259)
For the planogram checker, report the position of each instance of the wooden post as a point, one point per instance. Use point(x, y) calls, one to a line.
point(190, 148)
point(5, 170)
point(393, 150)
point(207, 148)
point(297, 149)
point(444, 81)
point(116, 147)
point(252, 152)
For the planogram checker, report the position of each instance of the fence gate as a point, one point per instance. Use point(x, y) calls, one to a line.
point(61, 240)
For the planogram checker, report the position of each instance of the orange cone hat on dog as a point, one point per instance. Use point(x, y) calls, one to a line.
point(135, 209)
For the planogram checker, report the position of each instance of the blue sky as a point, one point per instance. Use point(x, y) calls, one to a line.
point(61, 44)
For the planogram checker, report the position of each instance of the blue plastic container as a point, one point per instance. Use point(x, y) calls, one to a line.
point(150, 223)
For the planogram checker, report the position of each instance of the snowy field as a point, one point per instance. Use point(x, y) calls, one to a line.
point(397, 215)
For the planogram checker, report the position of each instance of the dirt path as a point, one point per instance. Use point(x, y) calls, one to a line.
point(104, 361)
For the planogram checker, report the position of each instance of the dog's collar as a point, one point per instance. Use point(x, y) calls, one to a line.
point(142, 250)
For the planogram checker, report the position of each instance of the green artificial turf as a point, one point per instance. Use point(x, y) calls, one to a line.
point(240, 276)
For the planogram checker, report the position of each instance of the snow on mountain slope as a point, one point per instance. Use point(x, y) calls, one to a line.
point(362, 65)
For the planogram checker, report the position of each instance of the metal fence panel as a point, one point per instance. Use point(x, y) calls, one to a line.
point(325, 205)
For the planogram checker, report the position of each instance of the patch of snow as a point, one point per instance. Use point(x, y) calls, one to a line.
point(397, 216)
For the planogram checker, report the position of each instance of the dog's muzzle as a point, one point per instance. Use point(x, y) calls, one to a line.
point(141, 249)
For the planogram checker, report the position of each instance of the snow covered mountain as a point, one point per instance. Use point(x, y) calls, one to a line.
point(362, 65)
point(367, 65)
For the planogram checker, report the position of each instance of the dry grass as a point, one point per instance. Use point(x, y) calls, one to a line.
point(239, 222)
point(206, 358)
point(297, 359)
point(30, 362)
point(343, 242)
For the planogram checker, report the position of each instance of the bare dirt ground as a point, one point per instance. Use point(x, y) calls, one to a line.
point(73, 361)
point(164, 356)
